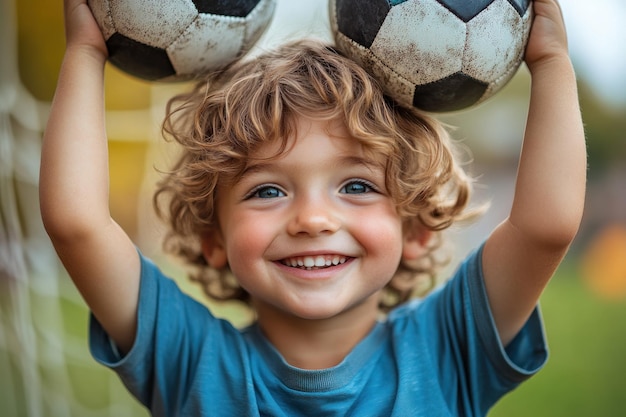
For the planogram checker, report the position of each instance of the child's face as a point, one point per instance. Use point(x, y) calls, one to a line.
point(322, 203)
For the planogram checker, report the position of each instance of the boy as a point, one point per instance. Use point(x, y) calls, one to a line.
point(318, 194)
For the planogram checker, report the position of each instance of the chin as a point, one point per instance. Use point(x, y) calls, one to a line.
point(316, 313)
point(323, 311)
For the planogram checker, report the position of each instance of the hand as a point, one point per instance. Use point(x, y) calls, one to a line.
point(548, 37)
point(81, 28)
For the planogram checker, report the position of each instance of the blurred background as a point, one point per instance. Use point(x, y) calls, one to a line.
point(45, 366)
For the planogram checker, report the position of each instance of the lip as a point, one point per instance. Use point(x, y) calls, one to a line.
point(314, 273)
point(314, 261)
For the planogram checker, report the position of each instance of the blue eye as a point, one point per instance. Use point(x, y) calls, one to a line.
point(267, 191)
point(356, 187)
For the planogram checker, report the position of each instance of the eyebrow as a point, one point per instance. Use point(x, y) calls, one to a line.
point(347, 160)
point(368, 163)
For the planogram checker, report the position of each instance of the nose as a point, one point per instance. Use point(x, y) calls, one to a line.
point(313, 216)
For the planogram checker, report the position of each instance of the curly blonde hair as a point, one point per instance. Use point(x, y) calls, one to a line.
point(225, 118)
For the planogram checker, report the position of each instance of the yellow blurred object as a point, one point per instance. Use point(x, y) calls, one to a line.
point(124, 92)
point(40, 40)
point(127, 170)
point(604, 263)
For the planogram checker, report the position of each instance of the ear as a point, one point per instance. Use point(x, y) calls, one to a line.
point(213, 249)
point(415, 242)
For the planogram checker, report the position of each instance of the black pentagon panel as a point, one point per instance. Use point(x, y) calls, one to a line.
point(455, 92)
point(237, 8)
point(138, 59)
point(520, 5)
point(360, 20)
point(465, 10)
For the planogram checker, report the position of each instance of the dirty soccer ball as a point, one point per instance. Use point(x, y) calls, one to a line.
point(175, 40)
point(436, 55)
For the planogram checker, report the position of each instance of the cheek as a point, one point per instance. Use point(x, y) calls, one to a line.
point(243, 246)
point(382, 237)
point(381, 234)
point(247, 239)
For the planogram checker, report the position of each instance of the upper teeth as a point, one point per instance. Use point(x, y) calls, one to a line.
point(314, 261)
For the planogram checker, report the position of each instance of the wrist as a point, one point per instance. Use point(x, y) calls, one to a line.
point(556, 65)
point(90, 53)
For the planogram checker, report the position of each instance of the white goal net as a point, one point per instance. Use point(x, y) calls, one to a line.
point(45, 366)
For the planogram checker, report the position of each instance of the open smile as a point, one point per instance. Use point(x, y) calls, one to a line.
point(314, 262)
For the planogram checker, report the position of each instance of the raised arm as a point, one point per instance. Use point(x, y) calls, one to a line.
point(74, 183)
point(523, 252)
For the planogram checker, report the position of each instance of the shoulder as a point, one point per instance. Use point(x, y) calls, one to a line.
point(456, 317)
point(465, 285)
point(165, 314)
point(177, 337)
point(160, 295)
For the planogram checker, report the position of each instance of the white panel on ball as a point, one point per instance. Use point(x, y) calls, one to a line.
point(144, 20)
point(256, 22)
point(102, 14)
point(211, 39)
point(491, 52)
point(412, 28)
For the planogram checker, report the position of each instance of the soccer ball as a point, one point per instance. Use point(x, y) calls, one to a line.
point(175, 40)
point(436, 55)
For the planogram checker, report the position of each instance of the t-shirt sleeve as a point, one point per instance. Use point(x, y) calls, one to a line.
point(526, 353)
point(474, 369)
point(504, 367)
point(171, 338)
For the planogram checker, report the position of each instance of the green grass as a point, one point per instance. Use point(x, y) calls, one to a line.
point(585, 371)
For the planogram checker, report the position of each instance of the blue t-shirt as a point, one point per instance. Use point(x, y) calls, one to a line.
point(438, 356)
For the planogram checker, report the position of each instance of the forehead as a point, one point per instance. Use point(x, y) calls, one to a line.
point(312, 137)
